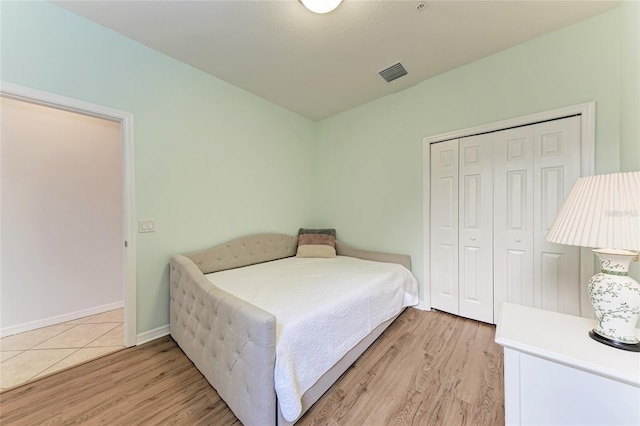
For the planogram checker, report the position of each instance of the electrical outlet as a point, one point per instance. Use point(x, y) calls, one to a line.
point(146, 225)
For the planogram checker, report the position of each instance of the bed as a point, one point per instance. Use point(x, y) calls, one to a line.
point(243, 333)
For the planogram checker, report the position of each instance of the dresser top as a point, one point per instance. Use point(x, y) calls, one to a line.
point(564, 339)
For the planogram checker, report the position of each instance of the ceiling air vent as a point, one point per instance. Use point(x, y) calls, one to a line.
point(393, 72)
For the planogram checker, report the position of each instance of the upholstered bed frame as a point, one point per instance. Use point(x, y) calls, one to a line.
point(232, 342)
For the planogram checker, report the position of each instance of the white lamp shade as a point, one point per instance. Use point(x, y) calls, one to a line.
point(321, 6)
point(602, 212)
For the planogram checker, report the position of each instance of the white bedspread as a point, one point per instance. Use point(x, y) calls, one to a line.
point(323, 308)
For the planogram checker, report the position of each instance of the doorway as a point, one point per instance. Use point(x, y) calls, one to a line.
point(68, 237)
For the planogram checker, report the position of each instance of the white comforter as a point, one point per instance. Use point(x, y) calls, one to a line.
point(323, 308)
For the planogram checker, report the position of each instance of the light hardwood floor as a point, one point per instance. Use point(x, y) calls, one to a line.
point(428, 368)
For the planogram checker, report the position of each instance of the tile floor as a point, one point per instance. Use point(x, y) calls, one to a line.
point(37, 353)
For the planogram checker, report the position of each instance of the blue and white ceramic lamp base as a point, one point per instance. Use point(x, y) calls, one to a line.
point(615, 297)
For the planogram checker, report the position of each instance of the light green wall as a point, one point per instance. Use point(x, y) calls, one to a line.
point(630, 96)
point(213, 162)
point(370, 183)
point(630, 87)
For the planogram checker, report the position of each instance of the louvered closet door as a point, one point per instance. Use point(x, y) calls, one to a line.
point(556, 267)
point(444, 226)
point(475, 236)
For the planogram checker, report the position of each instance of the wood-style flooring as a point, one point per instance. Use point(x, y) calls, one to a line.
point(428, 368)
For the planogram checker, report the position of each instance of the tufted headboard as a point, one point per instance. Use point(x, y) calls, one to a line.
point(245, 251)
point(230, 341)
point(260, 248)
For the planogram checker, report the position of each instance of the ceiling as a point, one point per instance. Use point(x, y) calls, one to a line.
point(320, 65)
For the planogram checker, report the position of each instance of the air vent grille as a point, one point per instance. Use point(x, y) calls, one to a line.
point(393, 72)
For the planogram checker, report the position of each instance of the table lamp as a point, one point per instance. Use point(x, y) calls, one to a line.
point(603, 212)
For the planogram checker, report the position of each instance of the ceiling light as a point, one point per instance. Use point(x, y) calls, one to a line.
point(321, 6)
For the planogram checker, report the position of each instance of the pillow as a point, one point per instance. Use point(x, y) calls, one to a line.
point(316, 243)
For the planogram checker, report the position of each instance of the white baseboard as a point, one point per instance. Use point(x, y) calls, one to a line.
point(150, 335)
point(423, 306)
point(45, 322)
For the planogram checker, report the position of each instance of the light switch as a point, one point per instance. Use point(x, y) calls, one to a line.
point(146, 225)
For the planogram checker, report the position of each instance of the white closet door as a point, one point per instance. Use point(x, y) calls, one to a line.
point(556, 167)
point(535, 167)
point(513, 217)
point(475, 252)
point(444, 226)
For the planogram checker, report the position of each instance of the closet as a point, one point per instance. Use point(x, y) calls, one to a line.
point(493, 198)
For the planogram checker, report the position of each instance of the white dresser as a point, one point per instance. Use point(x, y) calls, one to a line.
point(555, 374)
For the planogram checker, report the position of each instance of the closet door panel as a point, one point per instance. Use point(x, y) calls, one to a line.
point(516, 269)
point(557, 166)
point(476, 228)
point(513, 152)
point(444, 226)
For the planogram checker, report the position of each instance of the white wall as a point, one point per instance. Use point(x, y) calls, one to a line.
point(61, 225)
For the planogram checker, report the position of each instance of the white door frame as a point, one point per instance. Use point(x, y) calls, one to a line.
point(587, 111)
point(125, 119)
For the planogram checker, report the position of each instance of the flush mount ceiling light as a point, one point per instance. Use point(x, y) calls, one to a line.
point(321, 6)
